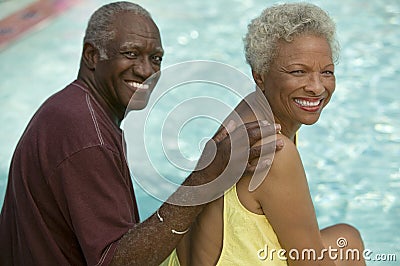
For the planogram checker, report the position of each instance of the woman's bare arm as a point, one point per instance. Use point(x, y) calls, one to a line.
point(286, 202)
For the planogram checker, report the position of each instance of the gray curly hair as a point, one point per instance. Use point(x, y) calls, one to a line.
point(284, 22)
point(100, 30)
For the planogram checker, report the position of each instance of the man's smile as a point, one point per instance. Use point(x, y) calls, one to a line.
point(136, 85)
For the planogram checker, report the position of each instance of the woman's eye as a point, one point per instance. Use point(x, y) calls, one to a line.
point(328, 73)
point(297, 72)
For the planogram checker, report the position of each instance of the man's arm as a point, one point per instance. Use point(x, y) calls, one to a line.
point(150, 242)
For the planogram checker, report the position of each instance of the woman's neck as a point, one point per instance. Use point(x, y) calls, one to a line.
point(288, 129)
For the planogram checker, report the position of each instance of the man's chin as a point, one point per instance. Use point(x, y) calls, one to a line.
point(139, 100)
point(137, 105)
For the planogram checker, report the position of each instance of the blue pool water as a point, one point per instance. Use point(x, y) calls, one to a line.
point(351, 155)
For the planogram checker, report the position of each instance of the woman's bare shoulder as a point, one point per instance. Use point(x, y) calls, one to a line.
point(286, 169)
point(287, 155)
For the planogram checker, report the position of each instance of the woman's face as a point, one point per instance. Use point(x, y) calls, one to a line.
point(300, 80)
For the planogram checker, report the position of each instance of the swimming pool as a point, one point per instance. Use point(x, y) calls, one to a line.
point(351, 155)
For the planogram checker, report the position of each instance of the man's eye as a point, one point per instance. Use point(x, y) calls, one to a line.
point(157, 59)
point(130, 54)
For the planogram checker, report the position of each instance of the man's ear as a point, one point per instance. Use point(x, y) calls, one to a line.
point(90, 56)
point(259, 80)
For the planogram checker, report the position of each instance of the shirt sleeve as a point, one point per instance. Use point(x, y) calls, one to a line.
point(97, 194)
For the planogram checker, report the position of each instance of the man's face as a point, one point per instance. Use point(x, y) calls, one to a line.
point(134, 55)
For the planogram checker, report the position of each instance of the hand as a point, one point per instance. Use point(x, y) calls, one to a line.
point(228, 153)
point(225, 159)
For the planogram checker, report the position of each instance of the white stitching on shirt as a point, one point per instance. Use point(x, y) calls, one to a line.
point(94, 119)
point(79, 86)
point(103, 257)
point(92, 113)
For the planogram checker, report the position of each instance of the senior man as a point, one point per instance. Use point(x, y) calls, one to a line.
point(70, 199)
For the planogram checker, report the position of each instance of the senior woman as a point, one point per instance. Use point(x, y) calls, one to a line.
point(291, 49)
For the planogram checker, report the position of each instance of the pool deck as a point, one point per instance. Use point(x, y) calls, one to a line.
point(31, 16)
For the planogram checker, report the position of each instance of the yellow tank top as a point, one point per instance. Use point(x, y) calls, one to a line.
point(248, 237)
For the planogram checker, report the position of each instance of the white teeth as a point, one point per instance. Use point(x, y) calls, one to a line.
point(307, 103)
point(138, 85)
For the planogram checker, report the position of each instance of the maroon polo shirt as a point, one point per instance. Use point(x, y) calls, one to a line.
point(69, 196)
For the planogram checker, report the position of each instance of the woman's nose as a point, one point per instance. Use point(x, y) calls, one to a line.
point(314, 84)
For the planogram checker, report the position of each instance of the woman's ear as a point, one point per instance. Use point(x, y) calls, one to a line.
point(259, 80)
point(90, 56)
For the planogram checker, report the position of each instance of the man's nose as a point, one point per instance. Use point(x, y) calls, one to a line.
point(144, 68)
point(314, 84)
